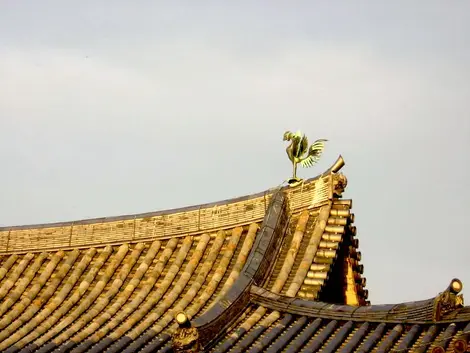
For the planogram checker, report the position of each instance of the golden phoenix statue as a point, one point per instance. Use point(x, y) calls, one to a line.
point(299, 152)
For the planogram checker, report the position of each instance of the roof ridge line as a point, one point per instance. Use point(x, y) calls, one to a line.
point(333, 168)
point(214, 322)
point(389, 313)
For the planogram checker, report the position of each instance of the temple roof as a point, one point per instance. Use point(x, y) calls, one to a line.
point(271, 271)
point(309, 326)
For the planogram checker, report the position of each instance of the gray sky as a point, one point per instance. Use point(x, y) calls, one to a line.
point(110, 108)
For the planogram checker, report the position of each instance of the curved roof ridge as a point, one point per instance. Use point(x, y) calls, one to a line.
point(149, 226)
point(421, 311)
point(225, 310)
point(137, 215)
point(162, 212)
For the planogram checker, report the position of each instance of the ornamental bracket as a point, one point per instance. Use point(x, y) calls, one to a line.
point(186, 338)
point(449, 300)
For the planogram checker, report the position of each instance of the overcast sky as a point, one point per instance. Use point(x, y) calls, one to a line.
point(110, 108)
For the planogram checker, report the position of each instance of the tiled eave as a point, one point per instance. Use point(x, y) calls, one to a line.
point(417, 312)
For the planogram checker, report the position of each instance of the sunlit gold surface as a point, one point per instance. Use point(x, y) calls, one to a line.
point(181, 318)
point(338, 165)
point(456, 285)
point(299, 152)
point(185, 261)
point(186, 340)
point(449, 300)
point(122, 278)
point(350, 292)
point(194, 221)
point(339, 183)
point(294, 182)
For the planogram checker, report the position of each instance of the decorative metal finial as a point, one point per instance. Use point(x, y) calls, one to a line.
point(299, 152)
point(449, 300)
point(185, 339)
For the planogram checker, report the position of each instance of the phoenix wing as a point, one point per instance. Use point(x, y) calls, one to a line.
point(297, 145)
point(303, 145)
point(300, 144)
point(314, 153)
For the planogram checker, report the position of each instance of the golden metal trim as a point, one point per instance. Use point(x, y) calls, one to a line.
point(299, 152)
point(338, 165)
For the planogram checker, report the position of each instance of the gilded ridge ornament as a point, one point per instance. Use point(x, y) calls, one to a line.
point(449, 300)
point(299, 152)
point(186, 338)
point(339, 183)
